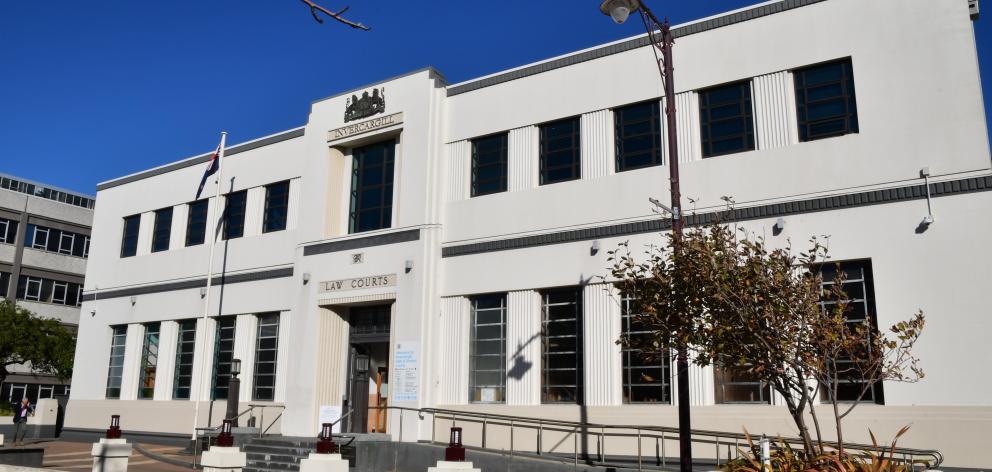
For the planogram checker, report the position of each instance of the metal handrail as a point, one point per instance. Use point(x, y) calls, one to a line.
point(719, 439)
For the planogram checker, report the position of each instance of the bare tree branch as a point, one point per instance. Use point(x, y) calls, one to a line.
point(314, 8)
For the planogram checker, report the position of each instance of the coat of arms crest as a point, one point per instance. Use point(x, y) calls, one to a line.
point(366, 106)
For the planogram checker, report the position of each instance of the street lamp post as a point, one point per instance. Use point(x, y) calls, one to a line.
point(661, 39)
point(233, 392)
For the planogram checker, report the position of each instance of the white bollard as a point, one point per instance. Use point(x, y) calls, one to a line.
point(1, 440)
point(448, 465)
point(110, 455)
point(323, 463)
point(223, 459)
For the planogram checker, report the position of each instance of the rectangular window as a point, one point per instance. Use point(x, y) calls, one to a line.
point(560, 151)
point(234, 214)
point(734, 384)
point(185, 346)
point(39, 237)
point(487, 356)
point(825, 101)
point(726, 119)
point(561, 346)
point(646, 374)
point(86, 247)
point(4, 283)
point(8, 231)
point(60, 292)
point(162, 230)
point(276, 207)
point(129, 239)
point(223, 354)
point(149, 361)
point(66, 241)
point(489, 165)
point(196, 223)
point(372, 187)
point(116, 369)
point(860, 291)
point(30, 288)
point(266, 350)
point(638, 135)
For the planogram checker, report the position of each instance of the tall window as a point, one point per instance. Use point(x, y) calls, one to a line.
point(487, 361)
point(129, 238)
point(489, 165)
point(234, 214)
point(8, 231)
point(149, 361)
point(196, 223)
point(116, 369)
point(266, 350)
point(560, 151)
point(726, 119)
point(646, 374)
point(825, 100)
point(162, 229)
point(223, 354)
point(185, 346)
point(276, 206)
point(638, 135)
point(860, 291)
point(561, 346)
point(372, 187)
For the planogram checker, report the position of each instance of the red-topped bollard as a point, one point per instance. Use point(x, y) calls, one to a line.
point(115, 427)
point(455, 452)
point(325, 445)
point(225, 439)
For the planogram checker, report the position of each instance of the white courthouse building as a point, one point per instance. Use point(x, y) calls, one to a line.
point(436, 243)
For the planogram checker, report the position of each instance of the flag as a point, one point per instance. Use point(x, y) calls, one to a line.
point(212, 168)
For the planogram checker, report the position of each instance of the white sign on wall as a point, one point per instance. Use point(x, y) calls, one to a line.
point(406, 365)
point(329, 414)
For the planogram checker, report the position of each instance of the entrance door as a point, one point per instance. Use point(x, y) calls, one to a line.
point(369, 367)
point(358, 386)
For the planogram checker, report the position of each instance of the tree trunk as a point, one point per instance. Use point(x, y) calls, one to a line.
point(797, 416)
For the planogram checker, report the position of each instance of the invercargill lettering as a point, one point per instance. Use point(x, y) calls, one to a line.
point(365, 126)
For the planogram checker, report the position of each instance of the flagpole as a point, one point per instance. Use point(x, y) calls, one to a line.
point(210, 276)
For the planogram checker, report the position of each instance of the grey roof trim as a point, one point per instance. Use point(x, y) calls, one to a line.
point(838, 202)
point(358, 243)
point(228, 152)
point(640, 41)
point(434, 74)
point(188, 284)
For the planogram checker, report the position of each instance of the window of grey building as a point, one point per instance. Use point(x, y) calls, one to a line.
point(149, 361)
point(129, 239)
point(223, 354)
point(185, 347)
point(8, 231)
point(196, 223)
point(40, 289)
point(638, 135)
point(234, 214)
point(489, 164)
point(487, 349)
point(116, 369)
point(45, 192)
point(37, 237)
point(276, 206)
point(646, 374)
point(825, 100)
point(162, 230)
point(726, 119)
point(56, 240)
point(372, 187)
point(859, 289)
point(4, 283)
point(561, 345)
point(560, 154)
point(266, 352)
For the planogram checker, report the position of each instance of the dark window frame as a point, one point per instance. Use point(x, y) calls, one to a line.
point(382, 186)
point(480, 162)
point(623, 139)
point(129, 235)
point(118, 341)
point(196, 230)
point(574, 167)
point(476, 358)
point(630, 354)
point(226, 330)
point(162, 229)
point(552, 393)
point(847, 99)
point(235, 209)
point(8, 230)
point(185, 357)
point(266, 345)
point(148, 367)
point(710, 121)
point(276, 207)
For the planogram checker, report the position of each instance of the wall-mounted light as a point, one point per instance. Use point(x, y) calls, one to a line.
point(306, 278)
point(408, 266)
point(134, 299)
point(927, 220)
point(780, 224)
point(203, 292)
point(595, 248)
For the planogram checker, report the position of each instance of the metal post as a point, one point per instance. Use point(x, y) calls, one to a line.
point(638, 449)
point(575, 446)
point(485, 422)
point(261, 422)
point(540, 432)
point(233, 394)
point(401, 424)
point(511, 438)
point(433, 427)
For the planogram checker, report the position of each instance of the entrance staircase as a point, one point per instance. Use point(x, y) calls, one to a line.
point(277, 454)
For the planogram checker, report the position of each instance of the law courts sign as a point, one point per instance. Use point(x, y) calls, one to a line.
point(372, 281)
point(364, 127)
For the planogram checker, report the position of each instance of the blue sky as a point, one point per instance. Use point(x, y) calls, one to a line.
point(90, 91)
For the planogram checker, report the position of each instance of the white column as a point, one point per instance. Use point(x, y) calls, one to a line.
point(293, 207)
point(166, 369)
point(203, 359)
point(147, 222)
point(687, 125)
point(254, 207)
point(282, 357)
point(132, 361)
point(459, 166)
point(601, 353)
point(522, 158)
point(180, 216)
point(774, 99)
point(215, 208)
point(453, 356)
point(701, 386)
point(523, 348)
point(597, 135)
point(245, 331)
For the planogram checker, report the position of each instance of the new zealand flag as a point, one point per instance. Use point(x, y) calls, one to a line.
point(212, 168)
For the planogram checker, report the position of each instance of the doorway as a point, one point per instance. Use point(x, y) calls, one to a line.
point(368, 368)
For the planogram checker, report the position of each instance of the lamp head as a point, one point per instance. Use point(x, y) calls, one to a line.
point(619, 10)
point(235, 367)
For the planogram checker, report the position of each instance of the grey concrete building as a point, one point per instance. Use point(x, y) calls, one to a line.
point(44, 244)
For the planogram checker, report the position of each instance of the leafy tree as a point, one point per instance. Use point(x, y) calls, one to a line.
point(735, 302)
point(43, 343)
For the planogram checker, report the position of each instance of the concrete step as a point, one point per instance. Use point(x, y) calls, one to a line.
point(294, 451)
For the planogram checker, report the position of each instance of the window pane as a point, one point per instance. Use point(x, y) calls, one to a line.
point(115, 368)
point(561, 346)
point(223, 353)
point(487, 356)
point(638, 135)
point(196, 223)
point(372, 187)
point(489, 164)
point(149, 362)
point(646, 378)
point(184, 359)
point(129, 239)
point(726, 119)
point(276, 205)
point(560, 151)
point(266, 353)
point(234, 214)
point(825, 100)
point(162, 229)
